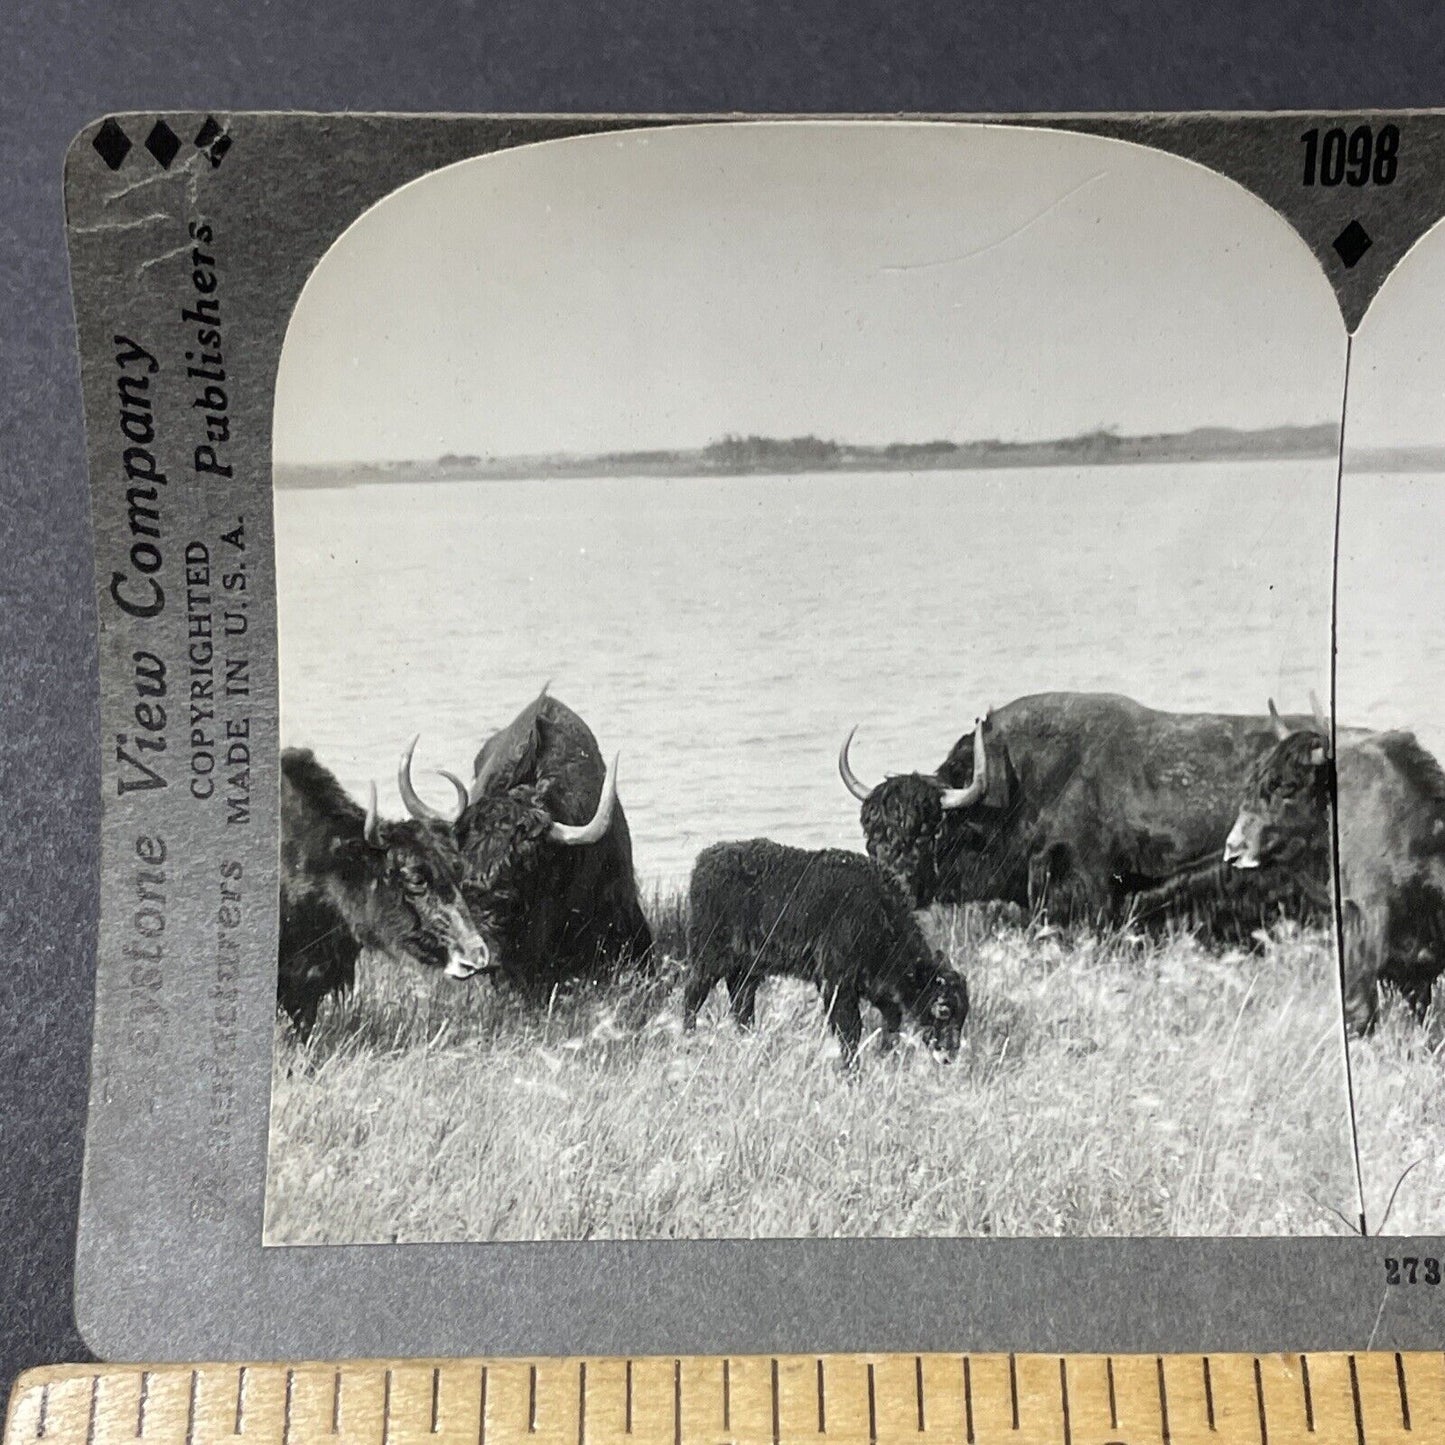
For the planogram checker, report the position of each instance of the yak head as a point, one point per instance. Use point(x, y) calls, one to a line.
point(417, 906)
point(942, 1009)
point(1284, 814)
point(904, 817)
point(508, 839)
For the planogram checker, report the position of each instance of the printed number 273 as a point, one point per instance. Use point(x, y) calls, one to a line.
point(1412, 1270)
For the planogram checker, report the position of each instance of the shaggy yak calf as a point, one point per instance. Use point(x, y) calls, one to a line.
point(760, 908)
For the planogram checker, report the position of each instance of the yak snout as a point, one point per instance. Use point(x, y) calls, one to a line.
point(470, 953)
point(1241, 848)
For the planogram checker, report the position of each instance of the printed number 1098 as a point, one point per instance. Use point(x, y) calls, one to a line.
point(1363, 157)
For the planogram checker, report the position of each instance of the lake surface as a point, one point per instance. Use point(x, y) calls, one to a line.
point(1392, 604)
point(724, 633)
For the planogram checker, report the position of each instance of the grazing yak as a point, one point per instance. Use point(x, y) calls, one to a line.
point(547, 851)
point(1087, 806)
point(350, 880)
point(1391, 830)
point(760, 908)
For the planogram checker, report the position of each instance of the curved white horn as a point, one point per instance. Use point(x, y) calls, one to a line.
point(1321, 721)
point(850, 781)
point(371, 829)
point(952, 798)
point(423, 812)
point(1281, 728)
point(573, 835)
point(461, 787)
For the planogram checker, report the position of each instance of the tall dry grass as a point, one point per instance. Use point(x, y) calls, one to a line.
point(1398, 1073)
point(1107, 1086)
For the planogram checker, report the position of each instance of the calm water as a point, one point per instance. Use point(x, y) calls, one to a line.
point(1392, 604)
point(725, 633)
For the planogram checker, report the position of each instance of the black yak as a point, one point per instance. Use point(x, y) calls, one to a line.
point(548, 854)
point(1391, 832)
point(761, 908)
point(1086, 806)
point(350, 880)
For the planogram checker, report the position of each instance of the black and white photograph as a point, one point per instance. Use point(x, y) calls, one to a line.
point(788, 635)
point(1390, 788)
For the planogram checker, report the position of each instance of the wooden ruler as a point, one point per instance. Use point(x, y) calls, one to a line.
point(1318, 1399)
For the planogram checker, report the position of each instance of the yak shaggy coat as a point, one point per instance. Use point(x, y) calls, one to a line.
point(760, 908)
point(397, 889)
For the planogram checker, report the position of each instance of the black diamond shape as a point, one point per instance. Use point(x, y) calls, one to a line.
point(219, 149)
point(1352, 243)
point(163, 143)
point(112, 143)
point(208, 132)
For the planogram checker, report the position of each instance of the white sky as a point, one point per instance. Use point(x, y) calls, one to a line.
point(1397, 369)
point(867, 282)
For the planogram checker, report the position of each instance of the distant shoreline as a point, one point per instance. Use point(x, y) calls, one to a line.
point(767, 456)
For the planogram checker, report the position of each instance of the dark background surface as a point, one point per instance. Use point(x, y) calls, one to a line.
point(62, 65)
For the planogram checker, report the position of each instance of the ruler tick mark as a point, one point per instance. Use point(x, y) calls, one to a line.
point(1113, 1398)
point(627, 1418)
point(872, 1407)
point(42, 1416)
point(286, 1410)
point(777, 1432)
point(436, 1399)
point(918, 1388)
point(1259, 1401)
point(1355, 1392)
point(386, 1409)
point(191, 1407)
point(240, 1401)
point(727, 1396)
point(822, 1408)
point(1064, 1397)
point(482, 1411)
point(94, 1406)
point(1163, 1401)
point(967, 1402)
point(336, 1403)
point(1208, 1393)
point(677, 1402)
point(582, 1403)
point(1013, 1387)
point(1404, 1395)
point(140, 1413)
point(531, 1399)
point(1304, 1374)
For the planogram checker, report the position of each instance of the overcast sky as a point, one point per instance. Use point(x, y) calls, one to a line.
point(1397, 381)
point(866, 282)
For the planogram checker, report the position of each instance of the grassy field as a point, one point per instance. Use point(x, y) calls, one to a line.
point(1106, 1086)
point(1398, 1074)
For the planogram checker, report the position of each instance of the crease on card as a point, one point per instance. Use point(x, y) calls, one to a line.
point(187, 172)
point(103, 227)
point(1002, 240)
point(161, 257)
point(1379, 1315)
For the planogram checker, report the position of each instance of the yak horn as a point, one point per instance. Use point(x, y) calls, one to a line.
point(952, 798)
point(1281, 728)
point(850, 780)
point(575, 836)
point(461, 787)
point(1321, 721)
point(422, 812)
point(371, 829)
